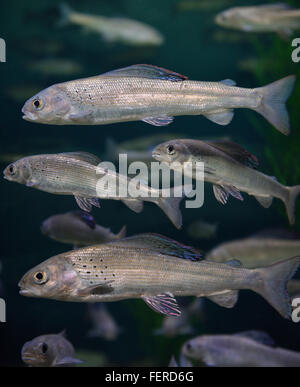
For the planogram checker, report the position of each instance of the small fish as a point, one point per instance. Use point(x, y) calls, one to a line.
point(278, 17)
point(155, 269)
point(55, 67)
point(78, 174)
point(49, 351)
point(202, 230)
point(104, 325)
point(259, 250)
point(231, 169)
point(154, 95)
point(78, 228)
point(117, 29)
point(245, 349)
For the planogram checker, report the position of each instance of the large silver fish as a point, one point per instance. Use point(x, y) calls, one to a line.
point(245, 349)
point(262, 249)
point(154, 95)
point(156, 269)
point(278, 17)
point(49, 351)
point(78, 174)
point(78, 228)
point(230, 169)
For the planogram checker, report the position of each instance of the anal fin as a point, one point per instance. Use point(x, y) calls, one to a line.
point(265, 201)
point(221, 118)
point(227, 300)
point(135, 205)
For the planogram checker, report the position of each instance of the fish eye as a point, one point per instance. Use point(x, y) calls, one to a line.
point(40, 277)
point(188, 346)
point(170, 149)
point(11, 169)
point(37, 104)
point(44, 347)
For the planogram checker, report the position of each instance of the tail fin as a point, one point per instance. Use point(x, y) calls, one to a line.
point(273, 284)
point(290, 202)
point(122, 233)
point(274, 97)
point(170, 205)
point(65, 11)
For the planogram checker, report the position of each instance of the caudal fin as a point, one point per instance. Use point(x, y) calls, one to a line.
point(290, 202)
point(274, 97)
point(171, 205)
point(273, 281)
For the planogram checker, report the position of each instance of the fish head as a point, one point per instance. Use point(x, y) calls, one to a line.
point(229, 18)
point(19, 171)
point(54, 278)
point(207, 349)
point(50, 106)
point(171, 151)
point(39, 351)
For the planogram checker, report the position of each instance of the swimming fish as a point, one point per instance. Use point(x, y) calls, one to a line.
point(278, 17)
point(104, 325)
point(231, 169)
point(78, 174)
point(78, 228)
point(202, 229)
point(245, 349)
point(156, 269)
point(49, 351)
point(114, 29)
point(261, 249)
point(154, 95)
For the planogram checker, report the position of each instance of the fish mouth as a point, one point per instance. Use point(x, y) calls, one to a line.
point(29, 117)
point(156, 155)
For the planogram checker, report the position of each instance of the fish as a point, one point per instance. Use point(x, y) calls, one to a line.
point(114, 29)
point(52, 350)
point(183, 362)
point(202, 229)
point(230, 168)
point(56, 66)
point(154, 95)
point(278, 17)
point(104, 324)
point(244, 349)
point(78, 228)
point(258, 250)
point(78, 174)
point(155, 269)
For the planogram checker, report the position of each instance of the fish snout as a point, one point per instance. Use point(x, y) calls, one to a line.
point(28, 115)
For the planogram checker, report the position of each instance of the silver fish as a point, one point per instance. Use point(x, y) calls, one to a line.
point(78, 228)
point(245, 349)
point(261, 249)
point(231, 169)
point(154, 95)
point(114, 29)
point(49, 351)
point(104, 325)
point(156, 269)
point(78, 174)
point(278, 17)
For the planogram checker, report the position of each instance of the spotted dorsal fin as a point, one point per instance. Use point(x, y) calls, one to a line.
point(161, 244)
point(147, 71)
point(83, 156)
point(235, 151)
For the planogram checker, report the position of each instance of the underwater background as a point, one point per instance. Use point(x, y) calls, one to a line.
point(195, 46)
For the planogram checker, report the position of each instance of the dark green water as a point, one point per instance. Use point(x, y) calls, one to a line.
point(28, 28)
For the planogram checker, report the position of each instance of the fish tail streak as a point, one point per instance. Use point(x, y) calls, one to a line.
point(274, 97)
point(273, 281)
point(290, 202)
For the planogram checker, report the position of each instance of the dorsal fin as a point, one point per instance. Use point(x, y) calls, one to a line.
point(258, 336)
point(86, 217)
point(235, 151)
point(161, 244)
point(83, 156)
point(147, 71)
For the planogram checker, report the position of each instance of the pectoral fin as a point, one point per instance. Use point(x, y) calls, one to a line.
point(227, 300)
point(158, 121)
point(135, 205)
point(163, 303)
point(222, 118)
point(98, 289)
point(82, 116)
point(265, 201)
point(86, 204)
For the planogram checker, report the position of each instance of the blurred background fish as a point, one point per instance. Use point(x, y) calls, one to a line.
point(201, 229)
point(103, 323)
